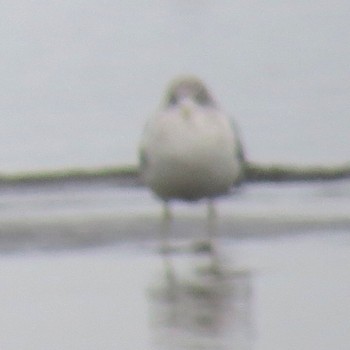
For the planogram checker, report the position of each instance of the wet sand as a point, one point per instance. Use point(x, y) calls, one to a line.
point(73, 217)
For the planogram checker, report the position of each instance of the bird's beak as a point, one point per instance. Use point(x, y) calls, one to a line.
point(186, 112)
point(186, 108)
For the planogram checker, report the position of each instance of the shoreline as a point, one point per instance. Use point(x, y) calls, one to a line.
point(128, 176)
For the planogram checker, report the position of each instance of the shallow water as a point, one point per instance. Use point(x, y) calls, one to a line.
point(81, 269)
point(281, 293)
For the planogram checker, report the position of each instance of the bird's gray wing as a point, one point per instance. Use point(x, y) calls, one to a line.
point(240, 153)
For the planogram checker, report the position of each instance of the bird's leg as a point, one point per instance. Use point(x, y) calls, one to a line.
point(165, 228)
point(212, 229)
point(211, 222)
point(164, 245)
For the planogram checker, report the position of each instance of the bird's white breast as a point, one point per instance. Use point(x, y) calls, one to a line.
point(190, 153)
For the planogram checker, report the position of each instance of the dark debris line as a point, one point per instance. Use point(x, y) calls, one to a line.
point(128, 176)
point(284, 173)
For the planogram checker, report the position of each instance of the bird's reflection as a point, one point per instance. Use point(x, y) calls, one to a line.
point(200, 301)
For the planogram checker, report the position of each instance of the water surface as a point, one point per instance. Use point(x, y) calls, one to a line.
point(81, 269)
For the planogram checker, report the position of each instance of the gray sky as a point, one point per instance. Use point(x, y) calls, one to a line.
point(78, 79)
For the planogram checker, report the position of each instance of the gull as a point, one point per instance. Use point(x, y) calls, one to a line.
point(190, 150)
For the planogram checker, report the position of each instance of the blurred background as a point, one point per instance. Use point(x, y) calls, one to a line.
point(78, 80)
point(79, 263)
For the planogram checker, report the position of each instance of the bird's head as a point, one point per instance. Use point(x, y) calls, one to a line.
point(188, 88)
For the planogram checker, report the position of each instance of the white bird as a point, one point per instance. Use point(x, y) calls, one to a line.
point(190, 150)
